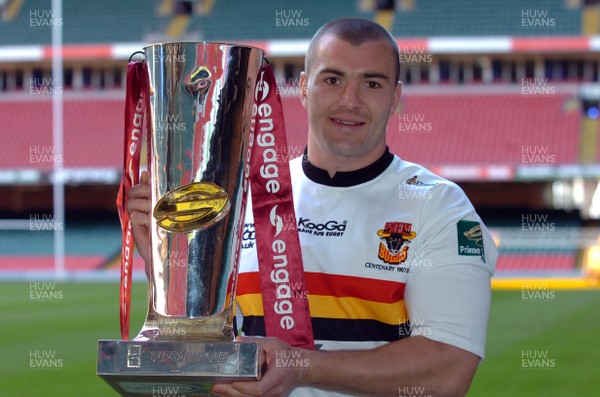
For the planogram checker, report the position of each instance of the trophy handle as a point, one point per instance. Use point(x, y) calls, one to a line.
point(138, 52)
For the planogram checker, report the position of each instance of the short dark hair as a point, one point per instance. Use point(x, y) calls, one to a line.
point(354, 31)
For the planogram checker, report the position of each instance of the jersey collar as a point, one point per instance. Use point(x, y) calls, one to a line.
point(347, 178)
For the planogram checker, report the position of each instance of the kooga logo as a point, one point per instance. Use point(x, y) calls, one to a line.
point(328, 228)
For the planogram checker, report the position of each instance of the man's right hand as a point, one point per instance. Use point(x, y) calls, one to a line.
point(139, 208)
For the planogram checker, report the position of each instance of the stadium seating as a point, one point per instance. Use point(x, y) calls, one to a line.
point(114, 21)
point(497, 133)
point(83, 22)
point(490, 18)
point(535, 262)
point(501, 131)
point(92, 138)
point(88, 246)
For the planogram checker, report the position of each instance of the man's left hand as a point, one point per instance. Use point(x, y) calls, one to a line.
point(281, 371)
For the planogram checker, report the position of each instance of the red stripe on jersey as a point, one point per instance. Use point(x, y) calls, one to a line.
point(335, 285)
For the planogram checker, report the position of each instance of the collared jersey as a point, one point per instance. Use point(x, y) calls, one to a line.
point(390, 252)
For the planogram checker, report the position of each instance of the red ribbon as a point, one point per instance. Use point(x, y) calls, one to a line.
point(285, 299)
point(136, 105)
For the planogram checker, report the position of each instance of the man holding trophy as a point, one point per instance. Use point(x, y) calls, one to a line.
point(397, 284)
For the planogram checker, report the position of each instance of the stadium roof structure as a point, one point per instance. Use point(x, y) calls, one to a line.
point(290, 48)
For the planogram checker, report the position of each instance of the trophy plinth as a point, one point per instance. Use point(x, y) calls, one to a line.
point(175, 368)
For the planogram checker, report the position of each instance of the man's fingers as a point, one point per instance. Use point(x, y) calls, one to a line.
point(141, 190)
point(138, 205)
point(145, 178)
point(248, 388)
point(139, 196)
point(140, 218)
point(138, 191)
point(244, 338)
point(227, 390)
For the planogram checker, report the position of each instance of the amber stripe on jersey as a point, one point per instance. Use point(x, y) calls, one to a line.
point(333, 307)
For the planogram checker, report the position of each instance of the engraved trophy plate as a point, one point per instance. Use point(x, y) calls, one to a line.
point(179, 368)
point(201, 104)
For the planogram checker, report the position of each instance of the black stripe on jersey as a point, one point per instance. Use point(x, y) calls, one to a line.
point(348, 178)
point(339, 329)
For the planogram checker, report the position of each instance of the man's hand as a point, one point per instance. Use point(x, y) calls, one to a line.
point(439, 369)
point(281, 372)
point(138, 206)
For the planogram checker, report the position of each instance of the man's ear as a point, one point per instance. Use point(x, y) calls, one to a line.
point(397, 95)
point(303, 88)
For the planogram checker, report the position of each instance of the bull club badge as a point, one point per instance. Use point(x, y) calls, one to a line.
point(395, 237)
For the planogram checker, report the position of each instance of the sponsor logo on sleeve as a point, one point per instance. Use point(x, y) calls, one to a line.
point(470, 239)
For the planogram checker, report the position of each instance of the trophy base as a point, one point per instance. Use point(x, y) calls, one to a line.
point(175, 368)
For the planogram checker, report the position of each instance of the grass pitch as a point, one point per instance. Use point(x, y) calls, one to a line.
point(544, 345)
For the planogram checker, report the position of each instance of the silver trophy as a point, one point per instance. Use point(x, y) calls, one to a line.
point(201, 104)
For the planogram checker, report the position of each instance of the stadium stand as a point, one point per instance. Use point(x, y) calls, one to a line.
point(497, 18)
point(431, 129)
point(92, 131)
point(84, 22)
point(88, 247)
point(538, 241)
point(497, 133)
point(136, 21)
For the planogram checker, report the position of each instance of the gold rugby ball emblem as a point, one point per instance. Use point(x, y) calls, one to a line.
point(191, 207)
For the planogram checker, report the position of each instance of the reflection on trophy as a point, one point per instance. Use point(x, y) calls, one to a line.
point(201, 102)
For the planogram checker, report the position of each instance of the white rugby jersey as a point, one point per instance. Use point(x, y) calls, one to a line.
point(389, 251)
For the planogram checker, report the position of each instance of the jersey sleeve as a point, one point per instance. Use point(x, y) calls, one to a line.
point(448, 291)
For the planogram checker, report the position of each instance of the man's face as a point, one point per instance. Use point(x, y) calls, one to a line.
point(349, 95)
